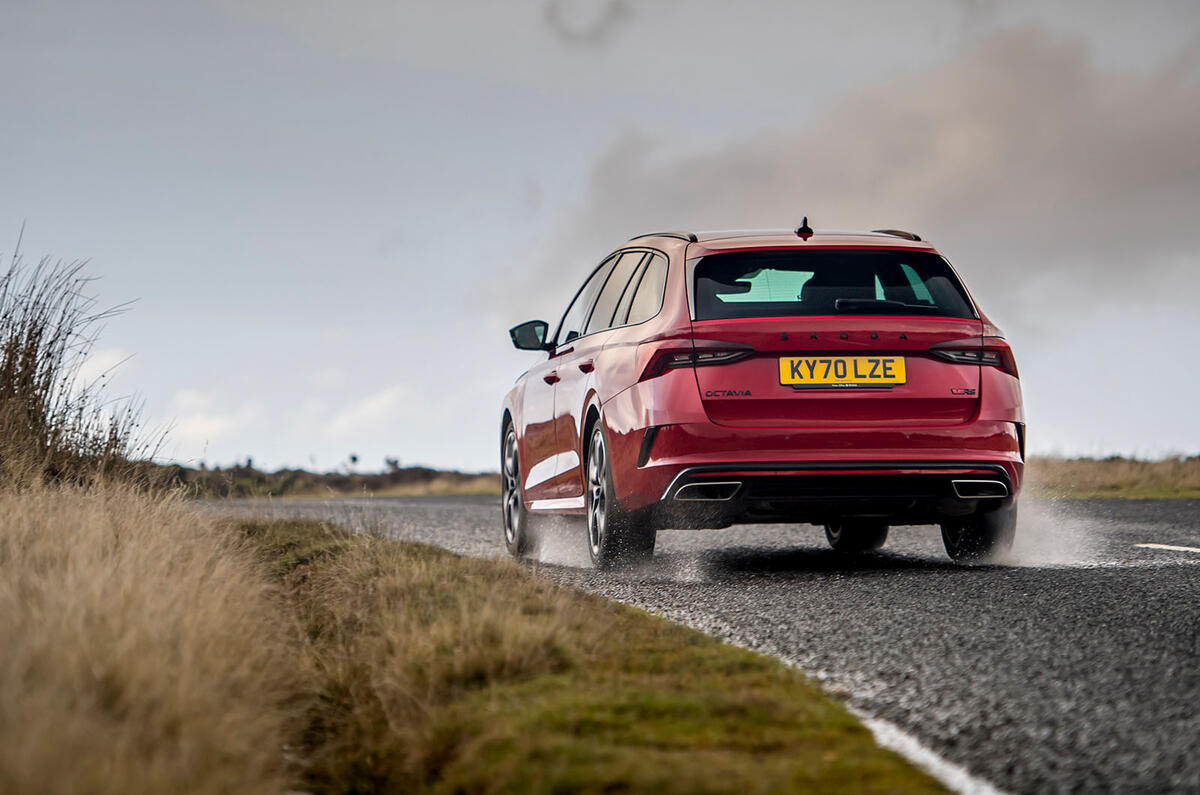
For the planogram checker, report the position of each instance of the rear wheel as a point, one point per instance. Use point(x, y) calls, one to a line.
point(854, 536)
point(980, 537)
point(614, 538)
point(518, 533)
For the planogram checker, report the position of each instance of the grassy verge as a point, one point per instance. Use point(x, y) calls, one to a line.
point(1171, 478)
point(149, 648)
point(447, 674)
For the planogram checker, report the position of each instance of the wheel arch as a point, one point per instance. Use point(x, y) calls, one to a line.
point(591, 416)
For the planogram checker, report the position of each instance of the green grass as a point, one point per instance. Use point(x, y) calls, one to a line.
point(437, 673)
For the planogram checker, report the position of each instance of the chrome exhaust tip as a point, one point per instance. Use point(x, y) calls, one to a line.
point(979, 489)
point(708, 492)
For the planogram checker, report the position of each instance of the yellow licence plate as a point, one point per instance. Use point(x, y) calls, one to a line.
point(841, 371)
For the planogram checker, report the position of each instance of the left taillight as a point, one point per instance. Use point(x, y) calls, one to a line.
point(987, 351)
point(698, 354)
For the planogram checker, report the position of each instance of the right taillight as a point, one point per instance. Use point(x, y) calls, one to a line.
point(989, 351)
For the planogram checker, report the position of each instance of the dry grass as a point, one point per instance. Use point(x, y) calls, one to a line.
point(150, 648)
point(142, 650)
point(1114, 477)
point(399, 631)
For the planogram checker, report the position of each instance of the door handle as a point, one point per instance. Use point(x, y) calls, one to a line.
point(587, 366)
point(551, 377)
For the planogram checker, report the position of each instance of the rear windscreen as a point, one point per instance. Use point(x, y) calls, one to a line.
point(827, 282)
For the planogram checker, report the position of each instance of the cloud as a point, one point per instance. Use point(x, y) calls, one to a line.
point(328, 377)
point(99, 367)
point(976, 13)
point(1030, 167)
point(369, 415)
point(200, 419)
point(585, 22)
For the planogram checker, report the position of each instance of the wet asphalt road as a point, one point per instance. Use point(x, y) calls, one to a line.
point(1074, 668)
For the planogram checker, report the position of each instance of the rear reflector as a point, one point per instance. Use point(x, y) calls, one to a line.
point(647, 444)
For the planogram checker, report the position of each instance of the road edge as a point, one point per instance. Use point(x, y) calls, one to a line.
point(955, 777)
point(951, 775)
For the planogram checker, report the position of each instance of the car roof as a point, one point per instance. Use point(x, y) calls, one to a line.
point(725, 239)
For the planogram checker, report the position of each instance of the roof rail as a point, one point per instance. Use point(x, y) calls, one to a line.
point(898, 233)
point(688, 236)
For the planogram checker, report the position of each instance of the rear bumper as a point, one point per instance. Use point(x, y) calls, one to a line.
point(913, 493)
point(705, 475)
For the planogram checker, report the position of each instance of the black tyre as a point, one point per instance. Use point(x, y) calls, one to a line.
point(854, 536)
point(981, 537)
point(614, 538)
point(518, 532)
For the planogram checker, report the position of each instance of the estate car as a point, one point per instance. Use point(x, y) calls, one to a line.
point(698, 380)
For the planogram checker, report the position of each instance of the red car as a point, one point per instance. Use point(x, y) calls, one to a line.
point(697, 380)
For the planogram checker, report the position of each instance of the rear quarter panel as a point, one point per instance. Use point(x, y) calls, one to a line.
point(629, 406)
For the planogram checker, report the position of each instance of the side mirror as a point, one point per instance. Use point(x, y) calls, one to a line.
point(530, 335)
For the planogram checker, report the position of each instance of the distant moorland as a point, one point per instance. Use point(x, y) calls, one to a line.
point(1114, 477)
point(246, 481)
point(1045, 477)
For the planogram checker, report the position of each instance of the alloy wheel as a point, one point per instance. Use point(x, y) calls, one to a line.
point(511, 488)
point(596, 513)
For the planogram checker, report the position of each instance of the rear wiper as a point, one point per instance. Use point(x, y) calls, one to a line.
point(879, 304)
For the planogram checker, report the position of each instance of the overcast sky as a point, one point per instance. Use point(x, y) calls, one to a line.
point(330, 212)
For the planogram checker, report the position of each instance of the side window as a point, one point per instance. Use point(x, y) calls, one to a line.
point(627, 299)
point(614, 288)
point(572, 322)
point(918, 286)
point(648, 299)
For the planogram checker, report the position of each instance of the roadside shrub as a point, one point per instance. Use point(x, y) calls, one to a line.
point(53, 428)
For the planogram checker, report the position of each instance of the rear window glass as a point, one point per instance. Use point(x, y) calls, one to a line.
point(827, 282)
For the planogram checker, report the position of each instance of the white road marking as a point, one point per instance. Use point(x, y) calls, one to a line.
point(956, 778)
point(1168, 547)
